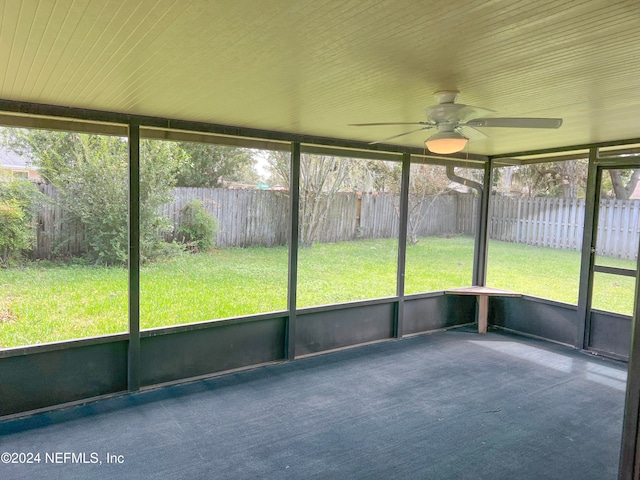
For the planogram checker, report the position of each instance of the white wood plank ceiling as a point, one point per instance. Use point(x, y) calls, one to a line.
point(315, 66)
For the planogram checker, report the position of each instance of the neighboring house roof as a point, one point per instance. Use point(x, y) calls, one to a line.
point(10, 159)
point(16, 164)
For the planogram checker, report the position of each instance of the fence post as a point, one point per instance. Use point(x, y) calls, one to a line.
point(518, 220)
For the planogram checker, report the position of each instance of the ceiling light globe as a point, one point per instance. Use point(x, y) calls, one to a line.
point(446, 143)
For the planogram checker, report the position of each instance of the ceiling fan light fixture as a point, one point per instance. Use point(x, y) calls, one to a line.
point(446, 142)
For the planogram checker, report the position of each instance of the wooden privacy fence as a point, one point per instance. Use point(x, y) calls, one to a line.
point(55, 234)
point(261, 218)
point(466, 214)
point(618, 229)
point(559, 223)
point(543, 222)
point(245, 217)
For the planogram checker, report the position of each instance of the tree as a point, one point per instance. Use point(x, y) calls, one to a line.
point(385, 176)
point(624, 182)
point(279, 166)
point(206, 165)
point(90, 173)
point(566, 179)
point(158, 162)
point(426, 184)
point(322, 178)
point(51, 152)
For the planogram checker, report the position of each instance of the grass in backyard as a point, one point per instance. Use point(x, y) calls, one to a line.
point(541, 272)
point(613, 293)
point(554, 274)
point(43, 304)
point(346, 271)
point(439, 263)
point(218, 284)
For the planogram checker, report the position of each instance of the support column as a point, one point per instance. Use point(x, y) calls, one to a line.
point(588, 250)
point(133, 374)
point(402, 243)
point(483, 312)
point(630, 451)
point(294, 209)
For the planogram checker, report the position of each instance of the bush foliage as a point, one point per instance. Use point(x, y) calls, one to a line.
point(90, 174)
point(198, 228)
point(18, 203)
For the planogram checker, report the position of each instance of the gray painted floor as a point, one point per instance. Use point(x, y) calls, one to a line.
point(450, 405)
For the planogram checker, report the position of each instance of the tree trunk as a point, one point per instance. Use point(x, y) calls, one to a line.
point(622, 191)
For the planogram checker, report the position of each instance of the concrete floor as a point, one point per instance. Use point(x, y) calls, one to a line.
point(447, 405)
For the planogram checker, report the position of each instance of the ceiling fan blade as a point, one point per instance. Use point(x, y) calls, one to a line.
point(455, 112)
point(469, 111)
point(402, 134)
point(387, 123)
point(471, 133)
point(514, 122)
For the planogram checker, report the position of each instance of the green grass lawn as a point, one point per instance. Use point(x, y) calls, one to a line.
point(59, 303)
point(220, 284)
point(347, 271)
point(437, 263)
point(51, 303)
point(554, 274)
point(541, 272)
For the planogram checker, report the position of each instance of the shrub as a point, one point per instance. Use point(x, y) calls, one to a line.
point(15, 232)
point(18, 201)
point(198, 228)
point(90, 174)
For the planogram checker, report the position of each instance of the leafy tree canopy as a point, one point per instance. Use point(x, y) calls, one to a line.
point(206, 165)
point(90, 173)
point(566, 179)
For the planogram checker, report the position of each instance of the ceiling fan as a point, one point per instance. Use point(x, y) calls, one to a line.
point(457, 122)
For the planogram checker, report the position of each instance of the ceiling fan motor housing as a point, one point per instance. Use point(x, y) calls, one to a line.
point(443, 112)
point(447, 96)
